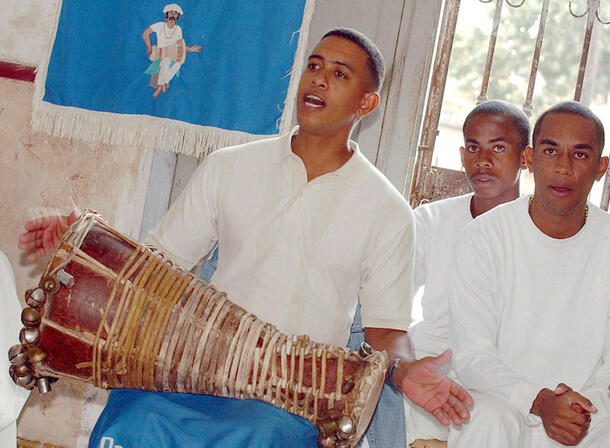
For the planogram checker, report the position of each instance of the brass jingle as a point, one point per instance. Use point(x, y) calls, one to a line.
point(347, 427)
point(328, 442)
point(30, 317)
point(50, 284)
point(328, 427)
point(36, 354)
point(347, 386)
point(29, 336)
point(344, 444)
point(11, 372)
point(25, 381)
point(21, 370)
point(365, 350)
point(35, 297)
point(43, 385)
point(18, 355)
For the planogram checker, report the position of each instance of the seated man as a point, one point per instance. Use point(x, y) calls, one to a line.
point(530, 300)
point(304, 225)
point(495, 135)
point(12, 397)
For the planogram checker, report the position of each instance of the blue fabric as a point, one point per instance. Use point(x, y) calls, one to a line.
point(209, 267)
point(387, 428)
point(237, 82)
point(133, 419)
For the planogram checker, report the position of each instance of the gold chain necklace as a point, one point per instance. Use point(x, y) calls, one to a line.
point(531, 199)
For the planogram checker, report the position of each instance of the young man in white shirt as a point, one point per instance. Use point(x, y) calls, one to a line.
point(12, 397)
point(496, 134)
point(305, 225)
point(530, 300)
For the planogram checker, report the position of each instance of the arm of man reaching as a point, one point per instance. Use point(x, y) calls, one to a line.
point(422, 381)
point(385, 296)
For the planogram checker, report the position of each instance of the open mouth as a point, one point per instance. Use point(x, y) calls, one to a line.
point(314, 101)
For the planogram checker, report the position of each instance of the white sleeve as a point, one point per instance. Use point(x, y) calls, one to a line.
point(12, 397)
point(387, 271)
point(596, 389)
point(475, 310)
point(422, 246)
point(188, 231)
point(178, 33)
point(157, 27)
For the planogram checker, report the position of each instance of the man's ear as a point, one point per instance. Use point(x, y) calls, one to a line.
point(523, 161)
point(462, 149)
point(603, 166)
point(369, 102)
point(528, 158)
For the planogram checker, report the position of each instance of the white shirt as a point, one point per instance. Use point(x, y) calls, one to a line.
point(297, 254)
point(529, 311)
point(12, 397)
point(166, 35)
point(438, 225)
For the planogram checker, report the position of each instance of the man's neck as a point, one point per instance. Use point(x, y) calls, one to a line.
point(557, 226)
point(321, 154)
point(479, 205)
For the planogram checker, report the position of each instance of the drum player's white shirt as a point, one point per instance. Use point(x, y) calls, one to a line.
point(529, 311)
point(297, 254)
point(12, 397)
point(166, 35)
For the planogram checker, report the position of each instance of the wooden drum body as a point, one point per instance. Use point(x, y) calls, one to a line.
point(117, 314)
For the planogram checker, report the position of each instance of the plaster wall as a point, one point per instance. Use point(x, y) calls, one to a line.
point(41, 174)
point(24, 35)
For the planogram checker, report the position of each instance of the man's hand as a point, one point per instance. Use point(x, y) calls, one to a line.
point(193, 49)
point(424, 383)
point(565, 414)
point(43, 234)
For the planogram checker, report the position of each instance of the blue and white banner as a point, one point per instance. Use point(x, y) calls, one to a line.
point(188, 77)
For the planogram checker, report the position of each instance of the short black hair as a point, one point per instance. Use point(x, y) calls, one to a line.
point(375, 58)
point(503, 109)
point(576, 108)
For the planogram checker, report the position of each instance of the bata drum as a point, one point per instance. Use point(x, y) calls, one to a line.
point(117, 314)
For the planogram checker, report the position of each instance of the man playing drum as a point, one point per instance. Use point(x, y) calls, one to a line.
point(305, 226)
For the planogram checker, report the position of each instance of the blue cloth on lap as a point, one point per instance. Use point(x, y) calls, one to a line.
point(135, 418)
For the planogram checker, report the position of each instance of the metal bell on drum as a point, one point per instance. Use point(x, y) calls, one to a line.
point(347, 386)
point(365, 350)
point(24, 381)
point(347, 427)
point(18, 355)
point(43, 385)
point(35, 354)
point(29, 336)
point(35, 297)
point(30, 317)
point(65, 278)
point(50, 284)
point(22, 370)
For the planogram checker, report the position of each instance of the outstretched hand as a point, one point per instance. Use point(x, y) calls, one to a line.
point(42, 234)
point(425, 384)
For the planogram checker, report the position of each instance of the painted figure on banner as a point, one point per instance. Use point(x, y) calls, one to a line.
point(170, 52)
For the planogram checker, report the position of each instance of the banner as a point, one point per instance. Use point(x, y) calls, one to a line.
point(187, 77)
